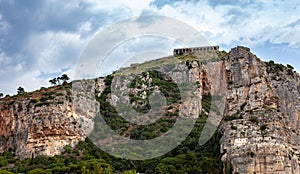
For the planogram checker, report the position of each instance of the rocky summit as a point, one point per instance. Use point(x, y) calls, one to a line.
point(259, 126)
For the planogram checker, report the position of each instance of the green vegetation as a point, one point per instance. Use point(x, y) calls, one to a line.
point(85, 158)
point(290, 66)
point(188, 157)
point(263, 127)
point(222, 54)
point(141, 132)
point(172, 61)
point(254, 119)
point(273, 67)
point(233, 127)
point(56, 80)
point(232, 117)
point(65, 163)
point(230, 82)
point(202, 56)
point(46, 99)
point(20, 90)
point(46, 103)
point(169, 61)
point(33, 100)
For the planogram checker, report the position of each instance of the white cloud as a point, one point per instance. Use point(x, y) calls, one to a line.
point(250, 22)
point(290, 36)
point(13, 75)
point(85, 27)
point(133, 7)
point(44, 53)
point(4, 60)
point(55, 50)
point(4, 26)
point(28, 81)
point(229, 24)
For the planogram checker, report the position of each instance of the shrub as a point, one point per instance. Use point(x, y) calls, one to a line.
point(243, 106)
point(59, 94)
point(273, 67)
point(254, 119)
point(48, 93)
point(39, 171)
point(33, 100)
point(289, 66)
point(233, 127)
point(5, 172)
point(3, 162)
point(263, 127)
point(252, 154)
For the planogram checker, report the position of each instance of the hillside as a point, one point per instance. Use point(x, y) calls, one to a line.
point(254, 106)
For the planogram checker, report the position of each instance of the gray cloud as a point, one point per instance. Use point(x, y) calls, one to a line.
point(43, 38)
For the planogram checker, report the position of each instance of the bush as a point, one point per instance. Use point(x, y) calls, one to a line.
point(263, 127)
point(33, 100)
point(39, 171)
point(48, 93)
point(290, 66)
point(252, 154)
point(233, 127)
point(254, 119)
point(5, 172)
point(3, 162)
point(232, 117)
point(45, 98)
point(130, 172)
point(273, 67)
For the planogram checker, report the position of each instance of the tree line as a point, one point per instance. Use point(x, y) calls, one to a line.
point(57, 80)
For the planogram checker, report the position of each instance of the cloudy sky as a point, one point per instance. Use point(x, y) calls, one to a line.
point(40, 40)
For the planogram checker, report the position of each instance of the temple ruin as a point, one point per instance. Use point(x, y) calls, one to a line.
point(180, 51)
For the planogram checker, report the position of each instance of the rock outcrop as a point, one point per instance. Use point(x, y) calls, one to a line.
point(260, 132)
point(260, 102)
point(39, 123)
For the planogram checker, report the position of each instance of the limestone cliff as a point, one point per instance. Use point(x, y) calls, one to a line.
point(260, 132)
point(260, 126)
point(39, 123)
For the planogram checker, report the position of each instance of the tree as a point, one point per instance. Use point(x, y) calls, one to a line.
point(290, 66)
point(64, 78)
point(58, 80)
point(20, 90)
point(1, 95)
point(53, 81)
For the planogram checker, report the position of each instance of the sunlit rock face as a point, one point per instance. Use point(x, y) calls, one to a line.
point(260, 126)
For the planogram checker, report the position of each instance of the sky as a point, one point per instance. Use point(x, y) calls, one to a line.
point(40, 40)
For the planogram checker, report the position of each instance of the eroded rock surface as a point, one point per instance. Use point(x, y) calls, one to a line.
point(259, 101)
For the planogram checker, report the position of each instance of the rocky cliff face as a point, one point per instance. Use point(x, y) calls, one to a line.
point(260, 132)
point(39, 123)
point(260, 103)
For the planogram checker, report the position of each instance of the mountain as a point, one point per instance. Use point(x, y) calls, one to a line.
point(253, 105)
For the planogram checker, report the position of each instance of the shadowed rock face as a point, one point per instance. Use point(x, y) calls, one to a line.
point(260, 128)
point(263, 137)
